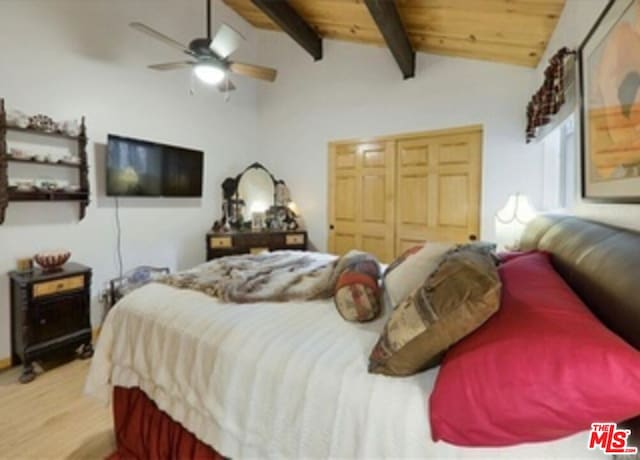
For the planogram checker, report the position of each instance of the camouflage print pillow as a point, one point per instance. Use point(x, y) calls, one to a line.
point(357, 295)
point(454, 301)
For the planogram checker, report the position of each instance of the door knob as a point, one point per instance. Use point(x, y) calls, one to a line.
point(473, 237)
point(331, 227)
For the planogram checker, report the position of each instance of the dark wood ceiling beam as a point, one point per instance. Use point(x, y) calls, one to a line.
point(387, 18)
point(283, 14)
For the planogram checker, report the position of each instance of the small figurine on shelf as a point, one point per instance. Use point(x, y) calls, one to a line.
point(281, 218)
point(218, 225)
point(291, 222)
point(222, 225)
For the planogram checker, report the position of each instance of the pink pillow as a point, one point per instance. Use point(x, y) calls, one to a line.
point(541, 368)
point(504, 257)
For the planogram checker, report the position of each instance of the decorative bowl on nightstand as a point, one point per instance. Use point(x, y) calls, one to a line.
point(52, 261)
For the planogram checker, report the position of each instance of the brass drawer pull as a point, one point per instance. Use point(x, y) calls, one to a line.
point(58, 286)
point(220, 242)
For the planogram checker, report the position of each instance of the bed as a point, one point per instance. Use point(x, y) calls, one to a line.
point(290, 380)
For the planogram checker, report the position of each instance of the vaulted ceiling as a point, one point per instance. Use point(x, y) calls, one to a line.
point(508, 31)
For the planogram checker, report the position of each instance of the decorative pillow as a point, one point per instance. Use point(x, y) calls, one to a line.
point(505, 257)
point(542, 368)
point(399, 260)
point(357, 295)
point(409, 271)
point(456, 299)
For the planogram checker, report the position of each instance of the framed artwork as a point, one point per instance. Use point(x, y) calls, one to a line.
point(610, 105)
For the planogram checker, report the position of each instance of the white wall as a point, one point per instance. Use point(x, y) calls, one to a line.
point(577, 19)
point(67, 58)
point(357, 91)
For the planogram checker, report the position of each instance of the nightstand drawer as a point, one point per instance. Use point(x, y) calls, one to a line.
point(294, 240)
point(57, 286)
point(220, 242)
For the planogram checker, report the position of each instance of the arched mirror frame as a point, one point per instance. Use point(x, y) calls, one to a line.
point(234, 203)
point(256, 187)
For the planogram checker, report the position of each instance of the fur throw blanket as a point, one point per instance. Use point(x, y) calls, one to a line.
point(280, 276)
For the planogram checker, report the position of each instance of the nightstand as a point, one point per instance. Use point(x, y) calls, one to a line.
point(50, 312)
point(248, 242)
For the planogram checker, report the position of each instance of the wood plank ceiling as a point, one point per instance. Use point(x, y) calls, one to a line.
point(508, 31)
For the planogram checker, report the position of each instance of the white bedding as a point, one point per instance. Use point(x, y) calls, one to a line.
point(275, 380)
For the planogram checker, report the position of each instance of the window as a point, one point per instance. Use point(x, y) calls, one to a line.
point(560, 166)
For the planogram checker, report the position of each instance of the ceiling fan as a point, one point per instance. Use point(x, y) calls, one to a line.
point(210, 56)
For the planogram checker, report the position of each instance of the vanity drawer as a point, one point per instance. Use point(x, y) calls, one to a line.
point(295, 239)
point(251, 242)
point(57, 286)
point(216, 242)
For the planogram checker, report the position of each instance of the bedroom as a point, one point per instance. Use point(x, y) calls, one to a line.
point(69, 59)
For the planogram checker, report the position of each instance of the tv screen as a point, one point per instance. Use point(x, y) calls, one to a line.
point(142, 168)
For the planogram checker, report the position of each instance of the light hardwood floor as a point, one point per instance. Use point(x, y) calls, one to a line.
point(51, 418)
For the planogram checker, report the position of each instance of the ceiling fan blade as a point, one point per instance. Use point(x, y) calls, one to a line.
point(226, 41)
point(253, 71)
point(158, 36)
point(226, 86)
point(171, 65)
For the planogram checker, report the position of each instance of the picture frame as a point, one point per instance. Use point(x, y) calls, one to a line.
point(257, 221)
point(609, 69)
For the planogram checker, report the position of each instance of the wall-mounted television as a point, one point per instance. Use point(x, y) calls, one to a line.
point(142, 168)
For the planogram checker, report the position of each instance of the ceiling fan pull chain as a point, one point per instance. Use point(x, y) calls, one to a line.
point(212, 17)
point(227, 93)
point(192, 90)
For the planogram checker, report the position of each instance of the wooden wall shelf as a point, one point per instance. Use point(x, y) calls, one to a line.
point(41, 195)
point(6, 195)
point(39, 132)
point(45, 163)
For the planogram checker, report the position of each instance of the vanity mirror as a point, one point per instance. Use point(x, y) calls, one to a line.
point(256, 188)
point(256, 199)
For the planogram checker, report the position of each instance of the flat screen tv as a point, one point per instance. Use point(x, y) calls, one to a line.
point(142, 168)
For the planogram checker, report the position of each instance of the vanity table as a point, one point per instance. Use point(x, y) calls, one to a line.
point(250, 242)
point(257, 216)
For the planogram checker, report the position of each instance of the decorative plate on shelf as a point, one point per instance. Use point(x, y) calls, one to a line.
point(19, 154)
point(17, 118)
point(42, 123)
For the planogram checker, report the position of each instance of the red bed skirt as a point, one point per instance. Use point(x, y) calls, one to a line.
point(145, 432)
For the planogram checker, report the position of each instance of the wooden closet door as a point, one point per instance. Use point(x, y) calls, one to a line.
point(361, 194)
point(438, 189)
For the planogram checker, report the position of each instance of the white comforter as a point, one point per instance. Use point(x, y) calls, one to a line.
point(275, 380)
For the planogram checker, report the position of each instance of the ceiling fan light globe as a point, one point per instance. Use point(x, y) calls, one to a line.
point(209, 74)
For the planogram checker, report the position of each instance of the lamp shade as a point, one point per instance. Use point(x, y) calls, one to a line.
point(293, 207)
point(511, 220)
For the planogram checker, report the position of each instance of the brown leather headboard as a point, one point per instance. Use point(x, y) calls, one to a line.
point(601, 264)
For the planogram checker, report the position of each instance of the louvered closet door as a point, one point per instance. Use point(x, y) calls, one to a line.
point(361, 189)
point(438, 188)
